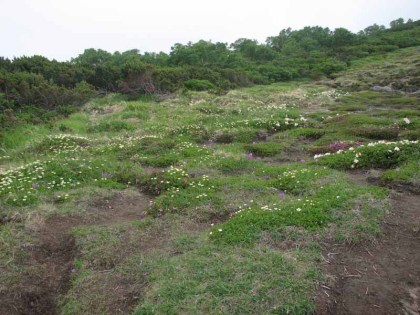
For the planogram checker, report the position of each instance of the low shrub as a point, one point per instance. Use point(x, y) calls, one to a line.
point(111, 126)
point(376, 133)
point(379, 154)
point(199, 85)
point(171, 178)
point(264, 149)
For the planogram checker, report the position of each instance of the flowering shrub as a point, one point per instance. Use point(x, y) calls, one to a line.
point(167, 180)
point(312, 212)
point(127, 147)
point(189, 149)
point(375, 154)
point(341, 145)
point(333, 94)
point(63, 143)
point(270, 124)
point(25, 184)
point(299, 180)
point(276, 124)
point(163, 156)
point(177, 199)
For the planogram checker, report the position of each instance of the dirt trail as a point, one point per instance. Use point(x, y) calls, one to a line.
point(50, 262)
point(382, 277)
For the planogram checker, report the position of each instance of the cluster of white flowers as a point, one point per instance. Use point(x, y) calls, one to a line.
point(306, 203)
point(329, 93)
point(185, 146)
point(171, 178)
point(202, 159)
point(293, 173)
point(274, 106)
point(202, 195)
point(19, 181)
point(271, 105)
point(173, 191)
point(66, 143)
point(218, 230)
point(356, 159)
point(62, 197)
point(197, 102)
point(20, 185)
point(371, 144)
point(260, 122)
point(200, 183)
point(185, 129)
point(122, 142)
point(176, 172)
point(244, 207)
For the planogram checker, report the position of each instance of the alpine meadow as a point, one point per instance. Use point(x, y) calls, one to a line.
point(245, 178)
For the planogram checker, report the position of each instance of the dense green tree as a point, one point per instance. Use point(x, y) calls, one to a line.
point(374, 30)
point(309, 52)
point(396, 23)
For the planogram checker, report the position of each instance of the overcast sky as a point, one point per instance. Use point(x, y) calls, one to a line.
point(62, 29)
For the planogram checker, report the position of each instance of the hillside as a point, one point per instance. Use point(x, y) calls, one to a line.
point(43, 88)
point(286, 198)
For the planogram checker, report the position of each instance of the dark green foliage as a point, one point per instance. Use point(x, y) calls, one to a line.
point(235, 166)
point(377, 133)
point(162, 160)
point(199, 85)
point(235, 135)
point(264, 149)
point(112, 126)
point(312, 52)
point(408, 172)
point(308, 133)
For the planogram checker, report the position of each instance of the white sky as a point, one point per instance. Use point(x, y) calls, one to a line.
point(62, 29)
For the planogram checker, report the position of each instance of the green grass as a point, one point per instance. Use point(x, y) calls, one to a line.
point(76, 123)
point(14, 239)
point(22, 135)
point(229, 280)
point(239, 205)
point(408, 172)
point(312, 212)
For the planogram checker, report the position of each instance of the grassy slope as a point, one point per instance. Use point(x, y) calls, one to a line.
point(239, 204)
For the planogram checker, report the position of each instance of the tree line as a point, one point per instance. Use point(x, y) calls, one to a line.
point(311, 52)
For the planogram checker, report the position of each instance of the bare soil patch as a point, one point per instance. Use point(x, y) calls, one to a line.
point(50, 261)
point(382, 277)
point(49, 265)
point(121, 207)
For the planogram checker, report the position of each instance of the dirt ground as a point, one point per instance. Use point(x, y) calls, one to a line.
point(382, 277)
point(50, 262)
